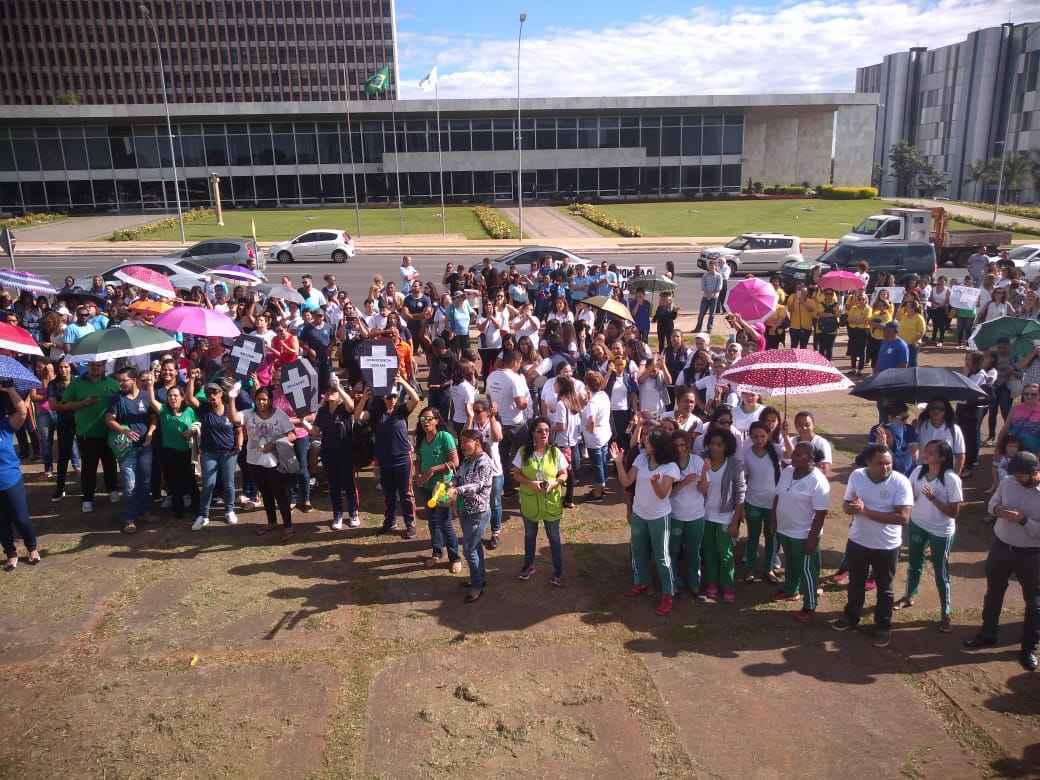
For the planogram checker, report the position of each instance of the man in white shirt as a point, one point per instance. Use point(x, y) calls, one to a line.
point(879, 501)
point(508, 391)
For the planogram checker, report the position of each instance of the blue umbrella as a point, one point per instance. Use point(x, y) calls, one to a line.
point(23, 378)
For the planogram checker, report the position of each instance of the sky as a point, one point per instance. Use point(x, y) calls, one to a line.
point(666, 47)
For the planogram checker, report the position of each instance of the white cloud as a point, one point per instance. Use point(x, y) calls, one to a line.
point(809, 46)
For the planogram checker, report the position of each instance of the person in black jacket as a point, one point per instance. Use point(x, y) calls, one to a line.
point(335, 420)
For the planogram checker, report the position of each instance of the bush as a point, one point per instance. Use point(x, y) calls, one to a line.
point(33, 218)
point(604, 220)
point(786, 189)
point(492, 222)
point(139, 232)
point(830, 192)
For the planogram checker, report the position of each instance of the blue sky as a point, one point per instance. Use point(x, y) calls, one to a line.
point(660, 47)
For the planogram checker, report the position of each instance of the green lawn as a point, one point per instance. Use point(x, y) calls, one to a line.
point(280, 224)
point(807, 218)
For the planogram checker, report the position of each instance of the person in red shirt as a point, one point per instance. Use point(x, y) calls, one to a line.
point(285, 346)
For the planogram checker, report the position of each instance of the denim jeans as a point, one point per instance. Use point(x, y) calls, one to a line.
point(14, 513)
point(212, 463)
point(497, 485)
point(302, 489)
point(473, 546)
point(442, 532)
point(552, 531)
point(136, 467)
point(45, 424)
point(598, 459)
point(707, 307)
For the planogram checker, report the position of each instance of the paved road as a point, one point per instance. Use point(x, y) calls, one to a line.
point(356, 276)
point(956, 209)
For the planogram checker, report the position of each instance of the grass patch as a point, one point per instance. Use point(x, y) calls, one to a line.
point(282, 224)
point(809, 218)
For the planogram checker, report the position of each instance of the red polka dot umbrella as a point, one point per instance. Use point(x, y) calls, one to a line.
point(790, 371)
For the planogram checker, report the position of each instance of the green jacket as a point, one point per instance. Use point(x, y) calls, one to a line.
point(90, 420)
point(536, 506)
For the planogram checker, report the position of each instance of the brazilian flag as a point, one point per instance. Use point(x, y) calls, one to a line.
point(378, 81)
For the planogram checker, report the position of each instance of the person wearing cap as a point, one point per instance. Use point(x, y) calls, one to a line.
point(1015, 550)
point(460, 315)
point(220, 440)
point(317, 340)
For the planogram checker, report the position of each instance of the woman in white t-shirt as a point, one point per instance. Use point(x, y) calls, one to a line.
point(805, 426)
point(800, 508)
point(762, 464)
point(653, 472)
point(463, 393)
point(565, 417)
point(933, 521)
point(595, 424)
point(747, 411)
point(936, 423)
point(724, 512)
point(687, 521)
point(265, 425)
point(492, 323)
point(560, 312)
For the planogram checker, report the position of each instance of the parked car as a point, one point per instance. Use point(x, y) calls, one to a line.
point(183, 274)
point(314, 245)
point(222, 251)
point(522, 258)
point(899, 258)
point(1026, 258)
point(755, 252)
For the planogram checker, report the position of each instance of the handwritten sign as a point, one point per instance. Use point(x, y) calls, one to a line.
point(895, 294)
point(962, 297)
point(378, 362)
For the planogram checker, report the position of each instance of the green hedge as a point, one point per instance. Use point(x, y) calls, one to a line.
point(492, 222)
point(139, 232)
point(786, 189)
point(604, 220)
point(1029, 212)
point(830, 192)
point(28, 220)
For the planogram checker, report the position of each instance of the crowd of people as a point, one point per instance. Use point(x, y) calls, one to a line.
point(530, 393)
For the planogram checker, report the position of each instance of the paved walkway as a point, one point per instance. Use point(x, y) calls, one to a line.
point(547, 222)
point(956, 209)
point(84, 228)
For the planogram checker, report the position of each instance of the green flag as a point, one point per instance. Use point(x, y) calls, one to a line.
point(378, 81)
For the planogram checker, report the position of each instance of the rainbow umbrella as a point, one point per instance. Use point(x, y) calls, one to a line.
point(753, 299)
point(146, 279)
point(18, 340)
point(197, 321)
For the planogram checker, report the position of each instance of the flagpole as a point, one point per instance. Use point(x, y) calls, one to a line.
point(397, 165)
point(350, 146)
point(440, 153)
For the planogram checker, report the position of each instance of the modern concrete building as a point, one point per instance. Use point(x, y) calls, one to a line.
point(214, 51)
point(94, 158)
point(958, 103)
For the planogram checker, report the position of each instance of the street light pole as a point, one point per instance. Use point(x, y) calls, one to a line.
point(519, 133)
point(1007, 124)
point(166, 106)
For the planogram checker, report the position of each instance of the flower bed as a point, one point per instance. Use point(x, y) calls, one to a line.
point(141, 231)
point(604, 220)
point(829, 192)
point(28, 220)
point(492, 222)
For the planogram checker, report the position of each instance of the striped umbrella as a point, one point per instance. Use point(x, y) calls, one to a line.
point(120, 342)
point(24, 280)
point(18, 340)
point(146, 279)
point(238, 273)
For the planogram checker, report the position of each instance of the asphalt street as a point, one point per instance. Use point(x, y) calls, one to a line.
point(356, 275)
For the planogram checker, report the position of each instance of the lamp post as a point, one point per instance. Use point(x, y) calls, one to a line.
point(519, 133)
point(166, 106)
point(1007, 124)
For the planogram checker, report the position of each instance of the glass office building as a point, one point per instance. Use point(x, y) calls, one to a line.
point(117, 158)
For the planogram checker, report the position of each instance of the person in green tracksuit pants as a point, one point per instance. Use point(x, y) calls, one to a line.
point(687, 526)
point(761, 459)
point(653, 473)
point(800, 507)
point(937, 500)
point(724, 511)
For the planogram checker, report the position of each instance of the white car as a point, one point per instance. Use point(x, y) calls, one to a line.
point(183, 274)
point(755, 252)
point(1027, 257)
point(314, 245)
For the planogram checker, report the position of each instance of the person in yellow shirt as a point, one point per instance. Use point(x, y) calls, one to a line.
point(880, 313)
point(776, 327)
point(802, 310)
point(912, 326)
point(827, 318)
point(857, 319)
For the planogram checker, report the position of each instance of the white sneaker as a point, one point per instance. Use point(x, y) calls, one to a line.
point(113, 498)
point(231, 518)
point(354, 522)
point(200, 523)
point(88, 506)
point(166, 503)
point(337, 524)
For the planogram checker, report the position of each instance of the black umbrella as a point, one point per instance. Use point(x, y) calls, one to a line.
point(81, 294)
point(919, 385)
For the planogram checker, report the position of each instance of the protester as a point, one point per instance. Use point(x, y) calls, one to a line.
point(177, 428)
point(335, 422)
point(89, 398)
point(471, 490)
point(723, 474)
point(130, 418)
point(14, 505)
point(269, 438)
point(540, 470)
point(219, 443)
point(436, 458)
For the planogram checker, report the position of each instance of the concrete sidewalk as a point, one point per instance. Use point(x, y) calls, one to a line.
point(957, 210)
point(83, 228)
point(547, 222)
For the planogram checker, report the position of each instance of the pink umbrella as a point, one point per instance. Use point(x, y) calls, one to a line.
point(794, 371)
point(146, 279)
point(842, 281)
point(18, 340)
point(753, 299)
point(197, 321)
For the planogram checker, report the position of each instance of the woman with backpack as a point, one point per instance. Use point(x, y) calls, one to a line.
point(540, 470)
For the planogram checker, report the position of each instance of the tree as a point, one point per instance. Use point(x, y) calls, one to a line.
point(931, 182)
point(67, 98)
point(984, 173)
point(907, 165)
point(1018, 169)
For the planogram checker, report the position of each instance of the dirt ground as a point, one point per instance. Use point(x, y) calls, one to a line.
point(218, 653)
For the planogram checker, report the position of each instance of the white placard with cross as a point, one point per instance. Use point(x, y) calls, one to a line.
point(248, 354)
point(381, 365)
point(299, 384)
